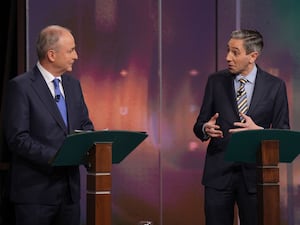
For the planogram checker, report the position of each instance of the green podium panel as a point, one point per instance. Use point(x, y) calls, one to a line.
point(76, 145)
point(244, 145)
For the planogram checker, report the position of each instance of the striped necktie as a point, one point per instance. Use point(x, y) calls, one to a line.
point(242, 98)
point(60, 101)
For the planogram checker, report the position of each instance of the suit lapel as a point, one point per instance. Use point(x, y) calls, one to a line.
point(231, 93)
point(258, 91)
point(68, 86)
point(69, 92)
point(40, 87)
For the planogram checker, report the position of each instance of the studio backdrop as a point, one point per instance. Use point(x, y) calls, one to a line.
point(143, 65)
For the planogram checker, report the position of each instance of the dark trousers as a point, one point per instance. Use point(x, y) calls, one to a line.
point(65, 213)
point(219, 204)
point(62, 214)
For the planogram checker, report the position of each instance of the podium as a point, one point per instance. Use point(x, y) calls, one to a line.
point(98, 150)
point(266, 148)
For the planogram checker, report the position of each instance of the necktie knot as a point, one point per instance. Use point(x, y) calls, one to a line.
point(243, 81)
point(56, 83)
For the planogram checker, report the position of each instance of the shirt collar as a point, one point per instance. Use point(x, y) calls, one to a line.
point(46, 74)
point(250, 77)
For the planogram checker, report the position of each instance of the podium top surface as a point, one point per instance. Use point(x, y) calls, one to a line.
point(76, 145)
point(244, 145)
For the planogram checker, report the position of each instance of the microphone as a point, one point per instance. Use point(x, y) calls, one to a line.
point(239, 92)
point(57, 98)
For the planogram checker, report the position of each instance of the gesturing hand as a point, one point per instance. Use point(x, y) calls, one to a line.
point(247, 125)
point(211, 128)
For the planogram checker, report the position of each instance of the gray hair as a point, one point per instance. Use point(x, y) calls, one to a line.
point(253, 40)
point(48, 39)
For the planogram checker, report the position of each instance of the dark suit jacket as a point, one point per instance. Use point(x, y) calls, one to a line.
point(268, 109)
point(35, 131)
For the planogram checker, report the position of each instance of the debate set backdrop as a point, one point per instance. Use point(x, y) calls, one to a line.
point(143, 65)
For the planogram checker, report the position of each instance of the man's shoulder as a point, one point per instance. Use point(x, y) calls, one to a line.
point(268, 76)
point(221, 74)
point(26, 76)
point(68, 78)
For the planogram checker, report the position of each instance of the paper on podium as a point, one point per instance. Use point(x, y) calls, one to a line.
point(244, 145)
point(76, 145)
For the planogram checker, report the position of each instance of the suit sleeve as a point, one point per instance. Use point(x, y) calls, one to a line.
point(17, 121)
point(206, 112)
point(280, 118)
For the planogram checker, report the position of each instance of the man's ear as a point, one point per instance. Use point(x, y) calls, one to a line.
point(253, 56)
point(51, 55)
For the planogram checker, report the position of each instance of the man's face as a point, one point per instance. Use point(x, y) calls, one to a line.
point(238, 61)
point(66, 54)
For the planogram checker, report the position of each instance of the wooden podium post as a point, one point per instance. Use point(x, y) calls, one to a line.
point(99, 184)
point(266, 148)
point(268, 188)
point(98, 150)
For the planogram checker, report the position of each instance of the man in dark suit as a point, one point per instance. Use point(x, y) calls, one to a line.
point(35, 130)
point(264, 106)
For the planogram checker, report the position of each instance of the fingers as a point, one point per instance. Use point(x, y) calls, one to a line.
point(216, 134)
point(236, 130)
point(215, 117)
point(249, 124)
point(240, 124)
point(213, 130)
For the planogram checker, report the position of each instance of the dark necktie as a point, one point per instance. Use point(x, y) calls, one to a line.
point(242, 98)
point(60, 101)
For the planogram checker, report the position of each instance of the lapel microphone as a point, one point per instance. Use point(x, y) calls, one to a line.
point(239, 92)
point(57, 98)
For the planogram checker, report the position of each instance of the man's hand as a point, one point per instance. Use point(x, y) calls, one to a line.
point(247, 125)
point(211, 128)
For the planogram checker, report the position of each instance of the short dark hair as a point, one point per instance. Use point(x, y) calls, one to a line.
point(253, 40)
